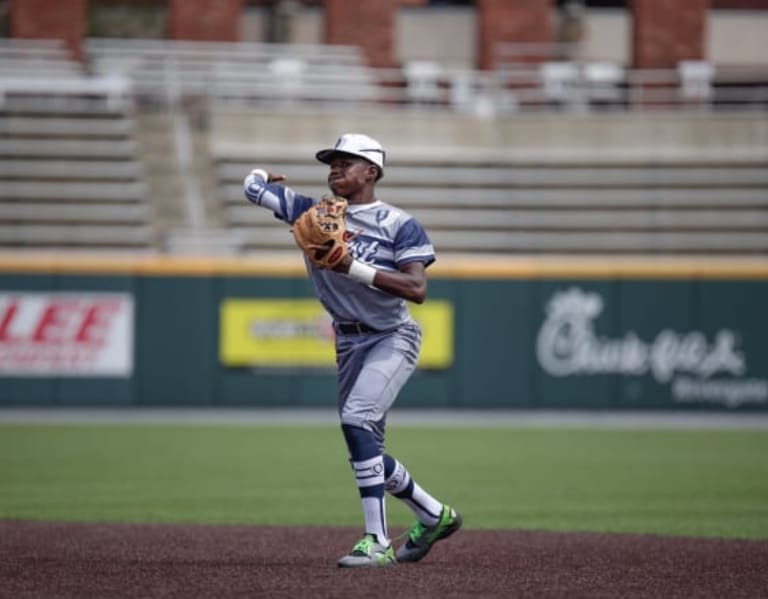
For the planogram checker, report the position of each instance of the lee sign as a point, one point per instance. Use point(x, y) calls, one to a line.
point(66, 334)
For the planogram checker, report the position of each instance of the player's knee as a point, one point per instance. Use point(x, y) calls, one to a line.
point(361, 443)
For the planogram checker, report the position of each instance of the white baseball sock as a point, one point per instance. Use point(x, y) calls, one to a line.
point(369, 475)
point(401, 485)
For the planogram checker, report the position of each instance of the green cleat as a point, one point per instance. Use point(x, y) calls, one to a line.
point(421, 537)
point(368, 553)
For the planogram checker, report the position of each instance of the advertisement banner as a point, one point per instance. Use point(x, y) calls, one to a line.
point(290, 333)
point(66, 334)
point(687, 365)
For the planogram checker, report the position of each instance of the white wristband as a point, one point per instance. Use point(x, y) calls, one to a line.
point(361, 272)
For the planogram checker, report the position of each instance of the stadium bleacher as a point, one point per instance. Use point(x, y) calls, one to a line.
point(36, 59)
point(113, 155)
point(70, 168)
point(561, 206)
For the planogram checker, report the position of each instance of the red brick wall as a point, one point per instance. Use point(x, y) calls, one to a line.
point(740, 4)
point(62, 19)
point(528, 21)
point(205, 20)
point(368, 24)
point(668, 31)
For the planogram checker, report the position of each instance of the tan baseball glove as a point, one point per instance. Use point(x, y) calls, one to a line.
point(319, 232)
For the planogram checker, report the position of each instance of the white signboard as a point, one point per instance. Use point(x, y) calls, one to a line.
point(66, 334)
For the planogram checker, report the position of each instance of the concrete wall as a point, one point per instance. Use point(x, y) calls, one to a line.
point(607, 36)
point(738, 37)
point(448, 36)
point(655, 135)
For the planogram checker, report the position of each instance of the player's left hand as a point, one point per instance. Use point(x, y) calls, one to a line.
point(319, 232)
point(343, 265)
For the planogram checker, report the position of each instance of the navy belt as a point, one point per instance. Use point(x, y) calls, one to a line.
point(355, 328)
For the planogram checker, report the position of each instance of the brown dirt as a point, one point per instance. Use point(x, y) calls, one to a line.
point(65, 560)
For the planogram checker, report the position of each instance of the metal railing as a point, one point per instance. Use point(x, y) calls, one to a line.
point(257, 75)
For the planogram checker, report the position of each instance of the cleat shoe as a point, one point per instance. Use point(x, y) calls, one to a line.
point(368, 553)
point(421, 537)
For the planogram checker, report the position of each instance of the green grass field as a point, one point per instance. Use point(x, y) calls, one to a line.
point(697, 483)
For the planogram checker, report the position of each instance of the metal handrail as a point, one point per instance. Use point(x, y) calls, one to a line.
point(257, 74)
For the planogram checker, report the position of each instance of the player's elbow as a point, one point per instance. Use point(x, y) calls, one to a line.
point(417, 293)
point(411, 283)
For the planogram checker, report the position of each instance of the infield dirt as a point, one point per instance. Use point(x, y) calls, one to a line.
point(70, 560)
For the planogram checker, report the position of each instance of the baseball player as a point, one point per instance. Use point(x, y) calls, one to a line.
point(363, 282)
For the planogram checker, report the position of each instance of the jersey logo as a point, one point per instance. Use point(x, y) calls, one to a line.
point(381, 215)
point(364, 250)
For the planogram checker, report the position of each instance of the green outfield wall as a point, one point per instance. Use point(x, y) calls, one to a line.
point(520, 334)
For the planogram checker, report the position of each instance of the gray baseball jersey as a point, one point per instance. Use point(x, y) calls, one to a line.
point(371, 368)
point(386, 237)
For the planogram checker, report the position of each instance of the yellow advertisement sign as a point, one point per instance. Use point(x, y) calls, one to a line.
point(298, 332)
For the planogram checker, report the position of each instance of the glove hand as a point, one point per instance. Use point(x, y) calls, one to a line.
point(319, 232)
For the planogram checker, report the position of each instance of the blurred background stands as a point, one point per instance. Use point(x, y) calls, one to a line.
point(119, 152)
point(71, 173)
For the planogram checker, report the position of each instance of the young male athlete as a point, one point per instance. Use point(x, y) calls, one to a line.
point(377, 341)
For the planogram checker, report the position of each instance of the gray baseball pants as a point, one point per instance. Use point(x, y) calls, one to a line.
point(372, 369)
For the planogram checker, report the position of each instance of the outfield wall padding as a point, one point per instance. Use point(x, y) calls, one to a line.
point(641, 337)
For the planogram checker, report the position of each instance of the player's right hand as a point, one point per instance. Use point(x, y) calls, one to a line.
point(267, 176)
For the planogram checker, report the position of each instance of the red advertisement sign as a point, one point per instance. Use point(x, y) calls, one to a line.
point(66, 334)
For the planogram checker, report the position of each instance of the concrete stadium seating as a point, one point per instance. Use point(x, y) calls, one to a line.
point(115, 156)
point(519, 207)
point(36, 59)
point(71, 175)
